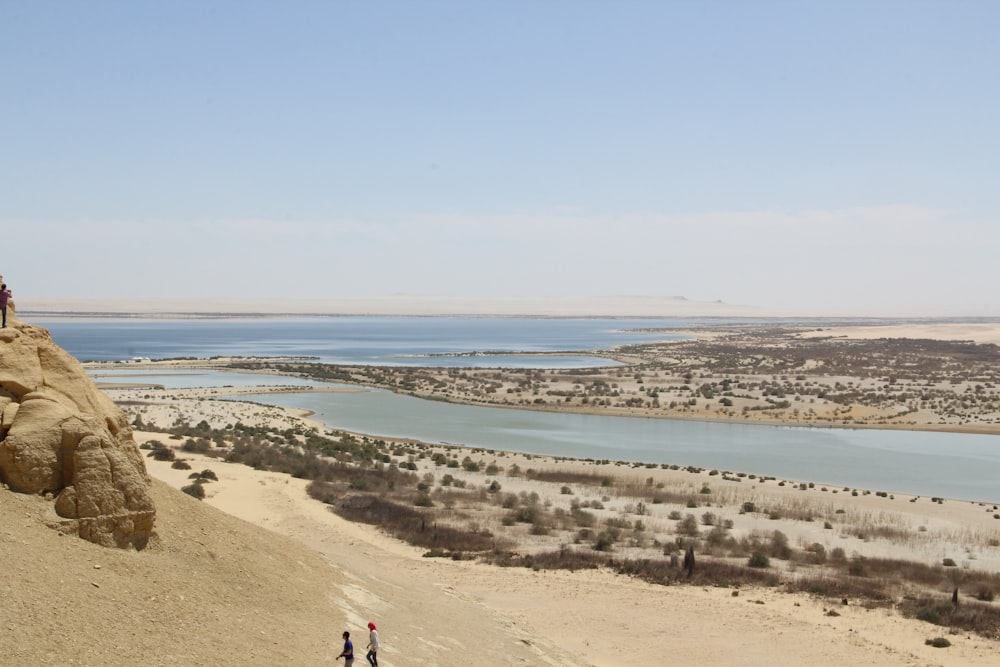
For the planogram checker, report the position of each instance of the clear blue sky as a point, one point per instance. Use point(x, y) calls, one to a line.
point(802, 154)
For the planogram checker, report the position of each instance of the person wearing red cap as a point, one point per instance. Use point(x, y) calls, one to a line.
point(372, 654)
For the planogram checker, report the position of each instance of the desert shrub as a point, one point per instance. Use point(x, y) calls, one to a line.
point(938, 642)
point(618, 522)
point(817, 553)
point(563, 559)
point(984, 593)
point(604, 542)
point(208, 474)
point(759, 559)
point(583, 518)
point(162, 453)
point(180, 465)
point(411, 525)
point(709, 572)
point(719, 538)
point(779, 546)
point(194, 490)
point(856, 568)
point(982, 618)
point(839, 588)
point(527, 514)
point(325, 492)
point(200, 446)
point(949, 562)
point(688, 526)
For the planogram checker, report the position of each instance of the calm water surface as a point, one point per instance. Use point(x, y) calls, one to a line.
point(929, 464)
point(358, 340)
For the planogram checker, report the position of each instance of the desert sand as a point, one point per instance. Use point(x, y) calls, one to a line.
point(441, 612)
point(259, 573)
point(975, 331)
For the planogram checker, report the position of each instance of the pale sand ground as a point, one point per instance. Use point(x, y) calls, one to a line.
point(978, 332)
point(442, 612)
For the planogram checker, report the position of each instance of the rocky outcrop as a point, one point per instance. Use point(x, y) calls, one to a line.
point(62, 438)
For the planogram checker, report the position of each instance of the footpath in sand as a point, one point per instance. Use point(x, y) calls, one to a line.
point(440, 612)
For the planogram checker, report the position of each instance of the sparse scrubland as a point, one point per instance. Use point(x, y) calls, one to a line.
point(849, 546)
point(757, 539)
point(753, 374)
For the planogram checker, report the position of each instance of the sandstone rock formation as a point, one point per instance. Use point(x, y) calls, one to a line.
point(60, 435)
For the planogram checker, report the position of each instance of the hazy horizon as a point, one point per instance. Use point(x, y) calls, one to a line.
point(795, 157)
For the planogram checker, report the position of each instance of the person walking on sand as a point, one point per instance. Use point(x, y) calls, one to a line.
point(348, 653)
point(372, 654)
point(5, 296)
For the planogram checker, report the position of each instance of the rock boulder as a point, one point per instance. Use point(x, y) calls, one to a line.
point(61, 436)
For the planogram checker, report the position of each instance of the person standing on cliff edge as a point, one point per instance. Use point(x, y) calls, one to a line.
point(5, 296)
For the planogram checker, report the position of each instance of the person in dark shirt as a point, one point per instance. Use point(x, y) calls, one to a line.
point(4, 298)
point(348, 653)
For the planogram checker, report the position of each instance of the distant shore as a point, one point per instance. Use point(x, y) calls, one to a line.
point(624, 306)
point(799, 377)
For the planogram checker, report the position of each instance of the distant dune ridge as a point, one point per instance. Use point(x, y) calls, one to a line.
point(409, 305)
point(62, 438)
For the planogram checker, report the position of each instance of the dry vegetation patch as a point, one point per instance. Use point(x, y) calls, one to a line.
point(636, 519)
point(744, 373)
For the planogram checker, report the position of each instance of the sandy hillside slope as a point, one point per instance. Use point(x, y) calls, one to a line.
point(214, 591)
point(219, 590)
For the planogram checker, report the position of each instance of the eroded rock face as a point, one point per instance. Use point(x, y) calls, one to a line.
point(60, 435)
